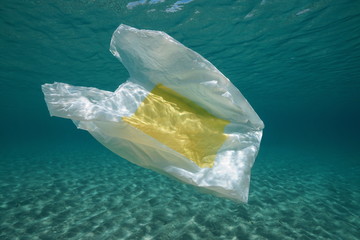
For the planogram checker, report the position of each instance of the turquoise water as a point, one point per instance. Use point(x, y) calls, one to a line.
point(297, 63)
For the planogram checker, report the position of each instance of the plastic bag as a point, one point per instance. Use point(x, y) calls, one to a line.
point(177, 114)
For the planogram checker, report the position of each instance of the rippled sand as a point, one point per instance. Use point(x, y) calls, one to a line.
point(89, 193)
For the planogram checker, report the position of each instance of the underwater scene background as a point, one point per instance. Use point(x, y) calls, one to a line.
point(296, 62)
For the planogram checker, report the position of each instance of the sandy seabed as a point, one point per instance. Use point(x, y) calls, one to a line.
point(90, 193)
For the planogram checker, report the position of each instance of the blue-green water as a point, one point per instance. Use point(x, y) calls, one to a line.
point(297, 63)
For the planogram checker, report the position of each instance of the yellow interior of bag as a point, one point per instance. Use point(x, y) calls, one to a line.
point(180, 124)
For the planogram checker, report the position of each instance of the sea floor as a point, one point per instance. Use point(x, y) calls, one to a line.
point(83, 191)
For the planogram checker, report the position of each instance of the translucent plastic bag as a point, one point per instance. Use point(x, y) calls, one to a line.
point(177, 114)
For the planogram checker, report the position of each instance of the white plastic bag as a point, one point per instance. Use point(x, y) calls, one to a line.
point(177, 114)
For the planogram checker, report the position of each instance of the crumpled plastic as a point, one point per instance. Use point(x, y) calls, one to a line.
point(176, 114)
